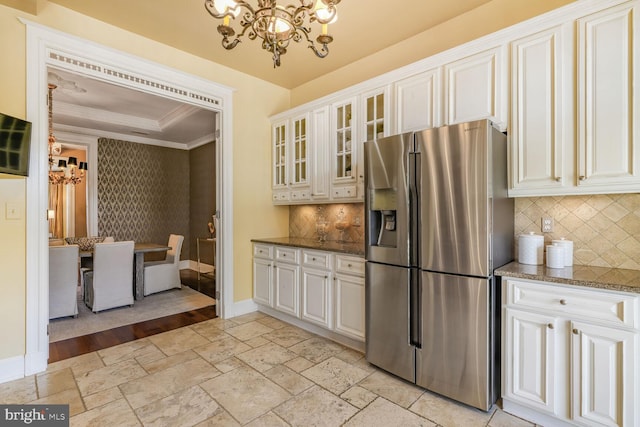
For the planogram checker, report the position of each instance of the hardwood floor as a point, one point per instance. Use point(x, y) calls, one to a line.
point(71, 347)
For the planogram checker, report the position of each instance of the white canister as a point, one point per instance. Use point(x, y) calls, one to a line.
point(555, 256)
point(530, 249)
point(568, 250)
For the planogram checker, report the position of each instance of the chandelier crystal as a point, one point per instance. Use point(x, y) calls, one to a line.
point(61, 176)
point(276, 25)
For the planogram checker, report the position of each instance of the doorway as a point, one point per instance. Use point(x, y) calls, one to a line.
point(49, 48)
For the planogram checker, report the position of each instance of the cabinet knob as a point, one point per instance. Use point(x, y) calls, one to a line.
point(550, 325)
point(313, 258)
point(582, 177)
point(284, 255)
point(563, 301)
point(575, 331)
point(349, 265)
point(558, 179)
point(326, 277)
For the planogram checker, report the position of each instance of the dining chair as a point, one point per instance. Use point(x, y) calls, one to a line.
point(63, 281)
point(163, 275)
point(110, 283)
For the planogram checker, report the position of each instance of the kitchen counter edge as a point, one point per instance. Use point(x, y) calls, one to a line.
point(355, 249)
point(613, 279)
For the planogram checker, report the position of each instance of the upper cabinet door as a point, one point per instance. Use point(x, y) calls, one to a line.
point(608, 92)
point(279, 155)
point(343, 147)
point(418, 101)
point(475, 88)
point(299, 151)
point(541, 101)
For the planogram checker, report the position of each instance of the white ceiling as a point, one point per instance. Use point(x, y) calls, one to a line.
point(87, 106)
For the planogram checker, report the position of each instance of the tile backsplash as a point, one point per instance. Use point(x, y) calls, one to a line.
point(302, 221)
point(605, 229)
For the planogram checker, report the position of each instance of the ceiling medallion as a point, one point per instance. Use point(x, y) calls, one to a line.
point(276, 25)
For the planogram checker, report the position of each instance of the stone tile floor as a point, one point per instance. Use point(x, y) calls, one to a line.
point(252, 370)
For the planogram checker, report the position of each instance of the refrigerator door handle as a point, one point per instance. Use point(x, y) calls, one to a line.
point(415, 309)
point(414, 205)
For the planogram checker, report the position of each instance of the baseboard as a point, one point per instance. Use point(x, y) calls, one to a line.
point(11, 368)
point(239, 308)
point(318, 330)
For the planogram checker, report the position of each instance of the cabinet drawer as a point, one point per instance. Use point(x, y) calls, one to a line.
point(261, 250)
point(350, 265)
point(282, 196)
point(300, 195)
point(344, 192)
point(587, 303)
point(287, 254)
point(316, 259)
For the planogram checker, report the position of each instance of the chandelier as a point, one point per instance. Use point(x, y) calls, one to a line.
point(276, 25)
point(61, 176)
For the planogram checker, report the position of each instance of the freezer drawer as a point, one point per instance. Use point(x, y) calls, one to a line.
point(387, 319)
point(457, 357)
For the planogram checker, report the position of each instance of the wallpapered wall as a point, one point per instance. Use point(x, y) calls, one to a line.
point(143, 192)
point(202, 193)
point(605, 229)
point(302, 221)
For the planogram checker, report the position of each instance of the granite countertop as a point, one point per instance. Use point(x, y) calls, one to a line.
point(356, 249)
point(614, 279)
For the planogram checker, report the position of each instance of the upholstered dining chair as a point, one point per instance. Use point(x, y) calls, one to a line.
point(63, 281)
point(163, 275)
point(110, 283)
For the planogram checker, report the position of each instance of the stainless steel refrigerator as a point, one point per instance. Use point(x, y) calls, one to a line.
point(438, 221)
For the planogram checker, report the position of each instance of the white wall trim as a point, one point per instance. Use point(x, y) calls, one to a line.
point(11, 368)
point(48, 48)
point(239, 308)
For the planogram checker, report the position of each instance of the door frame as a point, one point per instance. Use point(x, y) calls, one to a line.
point(49, 48)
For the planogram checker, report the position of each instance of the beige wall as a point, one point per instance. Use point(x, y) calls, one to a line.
point(254, 101)
point(486, 19)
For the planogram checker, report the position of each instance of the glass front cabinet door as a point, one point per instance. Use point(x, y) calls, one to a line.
point(344, 152)
point(279, 157)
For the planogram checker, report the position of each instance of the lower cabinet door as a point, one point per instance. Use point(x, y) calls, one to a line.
point(287, 289)
point(350, 306)
point(529, 359)
point(604, 375)
point(316, 296)
point(262, 282)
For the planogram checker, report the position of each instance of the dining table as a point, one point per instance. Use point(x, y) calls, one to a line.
point(139, 249)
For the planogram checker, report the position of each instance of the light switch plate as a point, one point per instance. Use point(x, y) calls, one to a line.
point(12, 211)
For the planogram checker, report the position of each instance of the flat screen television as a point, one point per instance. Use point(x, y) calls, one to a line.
point(15, 144)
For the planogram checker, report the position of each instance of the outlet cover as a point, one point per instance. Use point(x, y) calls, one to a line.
point(547, 224)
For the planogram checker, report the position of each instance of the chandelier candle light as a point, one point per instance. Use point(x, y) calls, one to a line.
point(276, 25)
point(61, 177)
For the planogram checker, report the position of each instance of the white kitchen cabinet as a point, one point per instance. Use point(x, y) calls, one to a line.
point(608, 120)
point(319, 288)
point(317, 282)
point(574, 129)
point(530, 337)
point(291, 157)
point(350, 296)
point(320, 165)
point(476, 88)
point(418, 101)
point(570, 354)
point(263, 274)
point(287, 280)
point(541, 128)
point(344, 148)
point(604, 364)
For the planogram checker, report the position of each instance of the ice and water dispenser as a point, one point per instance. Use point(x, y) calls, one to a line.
point(382, 217)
